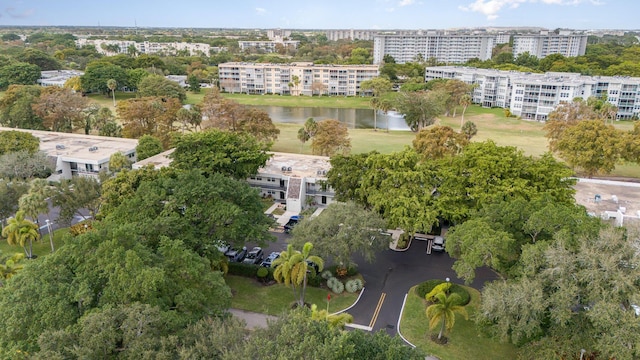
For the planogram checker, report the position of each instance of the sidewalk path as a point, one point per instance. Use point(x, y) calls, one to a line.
point(253, 320)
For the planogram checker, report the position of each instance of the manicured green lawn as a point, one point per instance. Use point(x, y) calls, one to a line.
point(491, 123)
point(250, 295)
point(104, 100)
point(464, 341)
point(354, 102)
point(40, 248)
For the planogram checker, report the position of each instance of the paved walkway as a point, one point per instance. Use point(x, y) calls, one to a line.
point(253, 320)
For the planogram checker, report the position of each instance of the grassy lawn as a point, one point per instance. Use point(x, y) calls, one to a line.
point(250, 295)
point(491, 123)
point(40, 248)
point(354, 102)
point(464, 341)
point(104, 100)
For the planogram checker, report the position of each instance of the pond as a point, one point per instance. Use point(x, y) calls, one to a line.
point(353, 118)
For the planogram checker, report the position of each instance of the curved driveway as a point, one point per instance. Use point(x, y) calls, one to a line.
point(393, 273)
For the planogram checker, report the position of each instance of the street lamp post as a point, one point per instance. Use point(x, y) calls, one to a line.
point(49, 230)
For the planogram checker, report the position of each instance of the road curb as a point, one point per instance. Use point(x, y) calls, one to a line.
point(352, 305)
point(400, 318)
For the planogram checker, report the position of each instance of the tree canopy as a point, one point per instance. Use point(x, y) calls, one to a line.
point(341, 231)
point(213, 151)
point(198, 210)
point(331, 137)
point(12, 141)
point(157, 85)
point(420, 108)
point(148, 146)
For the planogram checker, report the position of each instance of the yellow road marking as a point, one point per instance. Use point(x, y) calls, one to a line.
point(377, 312)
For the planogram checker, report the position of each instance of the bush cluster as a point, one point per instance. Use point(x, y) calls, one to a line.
point(240, 269)
point(354, 285)
point(423, 289)
point(351, 271)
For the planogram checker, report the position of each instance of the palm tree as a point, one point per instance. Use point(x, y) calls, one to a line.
point(295, 82)
point(334, 320)
point(444, 310)
point(10, 267)
point(303, 136)
point(375, 104)
point(465, 101)
point(19, 231)
point(112, 84)
point(292, 267)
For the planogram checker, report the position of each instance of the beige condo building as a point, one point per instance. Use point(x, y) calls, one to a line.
point(302, 78)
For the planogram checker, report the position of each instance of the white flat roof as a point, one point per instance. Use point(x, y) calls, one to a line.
point(301, 165)
point(75, 147)
point(158, 161)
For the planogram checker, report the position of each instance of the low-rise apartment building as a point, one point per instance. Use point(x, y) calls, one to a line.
point(534, 96)
point(294, 78)
point(292, 179)
point(57, 77)
point(113, 47)
point(78, 154)
point(268, 46)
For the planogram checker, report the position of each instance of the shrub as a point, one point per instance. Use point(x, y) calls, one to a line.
point(442, 287)
point(314, 279)
point(240, 269)
point(332, 281)
point(351, 270)
point(326, 274)
point(423, 289)
point(338, 288)
point(359, 283)
point(80, 228)
point(262, 273)
point(403, 241)
point(352, 286)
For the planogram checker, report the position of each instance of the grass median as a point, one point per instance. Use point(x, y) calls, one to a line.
point(250, 295)
point(464, 341)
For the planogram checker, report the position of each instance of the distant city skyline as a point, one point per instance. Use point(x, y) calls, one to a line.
point(328, 14)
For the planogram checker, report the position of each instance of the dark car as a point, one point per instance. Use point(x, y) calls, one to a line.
point(312, 265)
point(290, 225)
point(236, 255)
point(270, 259)
point(254, 256)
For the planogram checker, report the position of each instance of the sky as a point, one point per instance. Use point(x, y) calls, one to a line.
point(325, 14)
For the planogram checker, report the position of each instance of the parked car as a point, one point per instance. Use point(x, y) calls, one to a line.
point(236, 255)
point(438, 244)
point(254, 256)
point(290, 225)
point(313, 266)
point(270, 259)
point(223, 247)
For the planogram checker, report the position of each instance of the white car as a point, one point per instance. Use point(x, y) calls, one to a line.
point(438, 244)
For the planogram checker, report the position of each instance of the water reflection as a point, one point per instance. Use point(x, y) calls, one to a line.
point(353, 118)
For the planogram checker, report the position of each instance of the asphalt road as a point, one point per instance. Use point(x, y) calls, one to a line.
point(393, 273)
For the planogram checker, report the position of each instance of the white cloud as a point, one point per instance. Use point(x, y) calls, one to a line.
point(491, 8)
point(261, 11)
point(406, 2)
point(389, 9)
